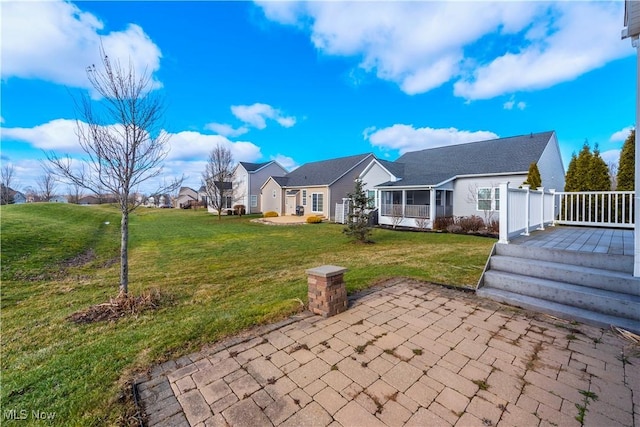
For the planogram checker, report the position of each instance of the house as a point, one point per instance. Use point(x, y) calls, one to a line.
point(59, 199)
point(11, 196)
point(459, 180)
point(187, 196)
point(247, 180)
point(313, 188)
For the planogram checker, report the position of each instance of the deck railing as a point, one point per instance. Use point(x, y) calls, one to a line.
point(596, 208)
point(410, 211)
point(523, 210)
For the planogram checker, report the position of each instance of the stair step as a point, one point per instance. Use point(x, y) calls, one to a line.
point(559, 310)
point(622, 263)
point(607, 280)
point(597, 300)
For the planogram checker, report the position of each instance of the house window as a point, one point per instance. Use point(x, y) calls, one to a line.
point(254, 201)
point(304, 197)
point(488, 199)
point(371, 194)
point(228, 201)
point(317, 202)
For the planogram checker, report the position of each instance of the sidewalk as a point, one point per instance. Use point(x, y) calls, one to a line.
point(407, 353)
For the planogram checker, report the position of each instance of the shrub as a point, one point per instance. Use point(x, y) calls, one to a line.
point(421, 223)
point(494, 226)
point(270, 214)
point(471, 223)
point(443, 222)
point(454, 228)
point(239, 210)
point(314, 219)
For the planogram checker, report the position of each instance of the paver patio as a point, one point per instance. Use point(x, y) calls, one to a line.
point(404, 353)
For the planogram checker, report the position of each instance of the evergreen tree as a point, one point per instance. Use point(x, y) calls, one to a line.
point(533, 177)
point(583, 168)
point(627, 164)
point(358, 227)
point(570, 183)
point(598, 175)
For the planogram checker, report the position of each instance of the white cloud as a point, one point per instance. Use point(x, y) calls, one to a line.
point(190, 145)
point(285, 161)
point(510, 104)
point(611, 156)
point(58, 135)
point(1, 119)
point(558, 53)
point(226, 130)
point(422, 45)
point(255, 115)
point(406, 138)
point(621, 135)
point(56, 41)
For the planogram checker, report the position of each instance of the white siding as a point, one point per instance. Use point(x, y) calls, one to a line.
point(551, 167)
point(258, 179)
point(268, 201)
point(464, 192)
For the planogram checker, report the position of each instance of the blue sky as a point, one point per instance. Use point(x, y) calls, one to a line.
point(300, 82)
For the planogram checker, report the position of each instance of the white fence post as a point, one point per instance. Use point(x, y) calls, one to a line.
point(554, 207)
point(527, 215)
point(541, 190)
point(504, 213)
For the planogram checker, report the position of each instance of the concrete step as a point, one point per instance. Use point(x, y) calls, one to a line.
point(622, 263)
point(559, 310)
point(608, 280)
point(596, 300)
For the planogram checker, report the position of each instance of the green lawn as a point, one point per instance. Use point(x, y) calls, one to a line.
point(219, 278)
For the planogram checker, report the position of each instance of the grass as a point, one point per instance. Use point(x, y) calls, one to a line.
point(219, 276)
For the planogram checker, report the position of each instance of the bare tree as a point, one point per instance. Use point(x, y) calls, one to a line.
point(46, 185)
point(217, 179)
point(123, 140)
point(6, 181)
point(613, 174)
point(75, 192)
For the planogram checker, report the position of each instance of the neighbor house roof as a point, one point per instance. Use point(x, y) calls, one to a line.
point(496, 156)
point(324, 172)
point(252, 167)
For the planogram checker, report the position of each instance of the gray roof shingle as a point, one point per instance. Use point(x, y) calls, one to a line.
point(505, 155)
point(252, 167)
point(323, 172)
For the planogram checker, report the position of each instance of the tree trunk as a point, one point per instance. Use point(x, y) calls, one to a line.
point(124, 254)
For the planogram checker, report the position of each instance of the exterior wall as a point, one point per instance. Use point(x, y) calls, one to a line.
point(464, 192)
point(268, 201)
point(309, 205)
point(241, 179)
point(375, 176)
point(551, 166)
point(186, 195)
point(256, 180)
point(406, 222)
point(343, 186)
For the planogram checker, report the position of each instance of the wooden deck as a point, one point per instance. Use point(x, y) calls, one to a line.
point(581, 239)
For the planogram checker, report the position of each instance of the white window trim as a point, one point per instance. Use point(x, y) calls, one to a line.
point(304, 197)
point(492, 199)
point(313, 196)
point(254, 201)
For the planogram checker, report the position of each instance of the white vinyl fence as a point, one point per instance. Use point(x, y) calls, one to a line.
point(523, 210)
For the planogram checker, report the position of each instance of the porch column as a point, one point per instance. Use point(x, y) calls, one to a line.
point(554, 206)
point(504, 213)
point(432, 206)
point(404, 202)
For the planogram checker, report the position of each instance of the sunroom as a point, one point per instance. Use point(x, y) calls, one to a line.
point(414, 207)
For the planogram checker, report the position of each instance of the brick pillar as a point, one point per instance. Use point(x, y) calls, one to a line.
point(327, 293)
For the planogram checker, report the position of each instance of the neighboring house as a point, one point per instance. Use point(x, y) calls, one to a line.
point(59, 199)
point(89, 200)
point(19, 198)
point(186, 197)
point(247, 180)
point(459, 180)
point(228, 201)
point(315, 187)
